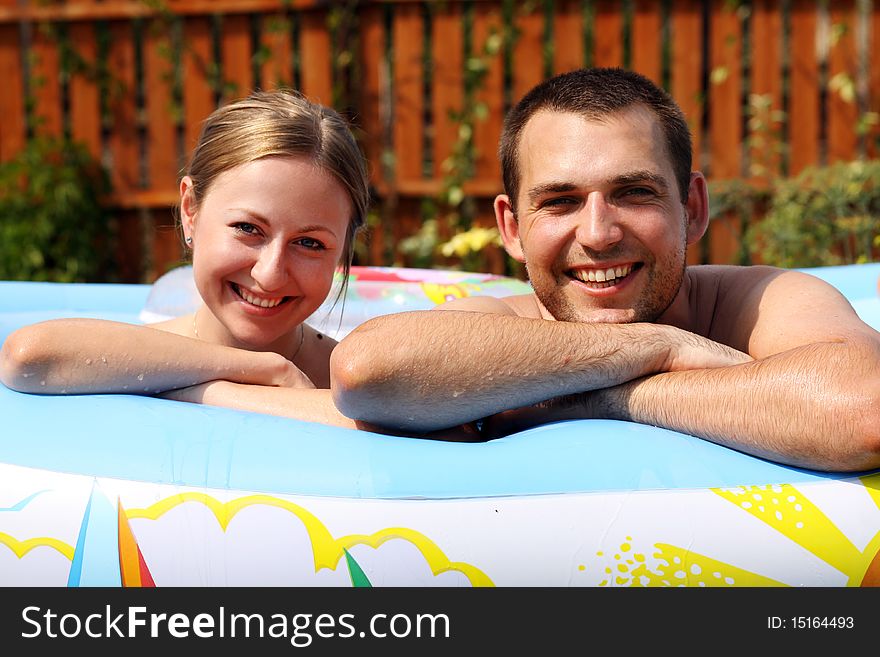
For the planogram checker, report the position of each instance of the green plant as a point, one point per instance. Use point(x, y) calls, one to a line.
point(53, 226)
point(824, 216)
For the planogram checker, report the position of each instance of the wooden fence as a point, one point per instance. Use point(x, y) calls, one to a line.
point(134, 78)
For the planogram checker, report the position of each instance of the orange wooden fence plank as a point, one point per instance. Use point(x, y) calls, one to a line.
point(608, 34)
point(409, 99)
point(843, 111)
point(766, 81)
point(198, 97)
point(568, 36)
point(275, 36)
point(235, 48)
point(46, 82)
point(163, 161)
point(873, 149)
point(315, 58)
point(687, 44)
point(486, 133)
point(528, 59)
point(12, 127)
point(85, 99)
point(448, 83)
point(124, 139)
point(804, 99)
point(372, 91)
point(646, 39)
point(725, 110)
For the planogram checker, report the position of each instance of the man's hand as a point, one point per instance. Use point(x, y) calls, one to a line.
point(689, 351)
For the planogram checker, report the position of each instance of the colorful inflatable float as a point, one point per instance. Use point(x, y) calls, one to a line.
point(124, 490)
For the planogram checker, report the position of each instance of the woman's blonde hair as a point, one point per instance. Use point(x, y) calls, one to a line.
point(283, 123)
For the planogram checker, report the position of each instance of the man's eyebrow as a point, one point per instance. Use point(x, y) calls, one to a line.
point(543, 189)
point(641, 177)
point(629, 178)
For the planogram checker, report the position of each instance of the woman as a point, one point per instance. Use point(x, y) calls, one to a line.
point(270, 205)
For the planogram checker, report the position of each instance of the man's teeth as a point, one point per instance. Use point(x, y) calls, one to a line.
point(257, 301)
point(602, 275)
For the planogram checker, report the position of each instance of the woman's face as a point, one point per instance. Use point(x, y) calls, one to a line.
point(266, 241)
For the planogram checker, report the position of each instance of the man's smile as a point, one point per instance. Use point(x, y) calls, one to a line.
point(598, 278)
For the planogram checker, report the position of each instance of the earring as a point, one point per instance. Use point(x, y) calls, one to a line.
point(189, 241)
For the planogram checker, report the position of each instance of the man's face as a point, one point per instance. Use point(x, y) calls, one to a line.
point(600, 222)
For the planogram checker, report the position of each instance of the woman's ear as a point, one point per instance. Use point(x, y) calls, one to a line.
point(188, 209)
point(508, 226)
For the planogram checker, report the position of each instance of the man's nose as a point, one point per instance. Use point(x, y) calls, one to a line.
point(270, 269)
point(598, 225)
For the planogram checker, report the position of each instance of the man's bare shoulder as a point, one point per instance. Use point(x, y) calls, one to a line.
point(762, 310)
point(522, 305)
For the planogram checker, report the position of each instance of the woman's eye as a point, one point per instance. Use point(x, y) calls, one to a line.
point(246, 228)
point(309, 243)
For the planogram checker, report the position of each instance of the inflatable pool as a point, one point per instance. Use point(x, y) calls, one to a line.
point(121, 490)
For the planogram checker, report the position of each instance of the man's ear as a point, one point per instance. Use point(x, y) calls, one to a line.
point(508, 226)
point(187, 208)
point(697, 208)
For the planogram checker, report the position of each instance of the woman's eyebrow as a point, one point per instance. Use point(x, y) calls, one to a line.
point(309, 228)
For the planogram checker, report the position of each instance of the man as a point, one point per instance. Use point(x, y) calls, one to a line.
point(600, 205)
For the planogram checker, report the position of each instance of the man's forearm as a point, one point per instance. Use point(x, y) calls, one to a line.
point(815, 406)
point(430, 370)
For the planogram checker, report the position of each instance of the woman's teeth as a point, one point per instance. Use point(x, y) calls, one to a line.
point(257, 301)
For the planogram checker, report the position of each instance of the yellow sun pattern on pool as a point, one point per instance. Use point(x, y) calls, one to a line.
point(675, 566)
point(785, 509)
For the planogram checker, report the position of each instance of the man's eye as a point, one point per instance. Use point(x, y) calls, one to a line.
point(639, 191)
point(559, 201)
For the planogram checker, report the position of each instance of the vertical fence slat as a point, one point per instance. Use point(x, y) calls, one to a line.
point(235, 48)
point(123, 139)
point(766, 81)
point(528, 61)
point(803, 110)
point(315, 58)
point(85, 100)
point(873, 148)
point(198, 96)
point(163, 160)
point(491, 92)
point(843, 112)
point(275, 37)
point(448, 82)
point(372, 90)
point(608, 34)
point(568, 36)
point(725, 111)
point(12, 127)
point(686, 68)
point(725, 119)
point(373, 105)
point(409, 105)
point(45, 82)
point(646, 39)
